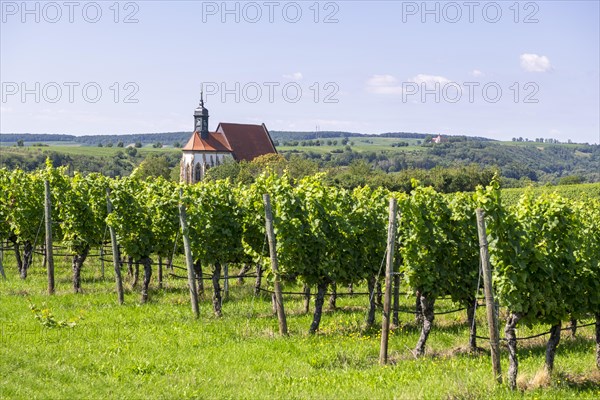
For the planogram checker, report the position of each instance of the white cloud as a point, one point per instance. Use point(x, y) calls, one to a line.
point(535, 63)
point(477, 73)
point(383, 84)
point(296, 76)
point(430, 80)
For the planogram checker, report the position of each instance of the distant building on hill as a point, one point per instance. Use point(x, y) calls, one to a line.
point(229, 142)
point(439, 139)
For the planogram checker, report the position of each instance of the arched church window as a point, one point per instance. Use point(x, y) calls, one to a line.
point(197, 173)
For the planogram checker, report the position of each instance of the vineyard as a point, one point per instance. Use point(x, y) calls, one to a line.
point(329, 245)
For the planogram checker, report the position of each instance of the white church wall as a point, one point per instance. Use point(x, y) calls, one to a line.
point(195, 164)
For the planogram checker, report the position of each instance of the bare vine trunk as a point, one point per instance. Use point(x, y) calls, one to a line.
point(2, 259)
point(306, 290)
point(333, 296)
point(258, 282)
point(77, 263)
point(319, 300)
point(427, 305)
point(147, 263)
point(136, 274)
point(379, 297)
point(509, 332)
point(45, 259)
point(395, 317)
point(274, 304)
point(199, 277)
point(130, 272)
point(242, 273)
point(371, 289)
point(573, 327)
point(27, 258)
point(18, 256)
point(418, 309)
point(130, 268)
point(553, 342)
point(216, 298)
point(160, 272)
point(472, 326)
point(597, 315)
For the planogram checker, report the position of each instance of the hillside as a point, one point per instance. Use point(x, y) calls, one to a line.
point(519, 162)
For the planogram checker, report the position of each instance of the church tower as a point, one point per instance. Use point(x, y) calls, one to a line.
point(229, 142)
point(201, 119)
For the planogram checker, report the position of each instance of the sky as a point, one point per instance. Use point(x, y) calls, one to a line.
point(478, 68)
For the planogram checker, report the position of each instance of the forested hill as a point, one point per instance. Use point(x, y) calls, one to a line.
point(182, 137)
point(93, 140)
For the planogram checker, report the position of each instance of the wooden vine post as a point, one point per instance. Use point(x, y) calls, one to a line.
point(389, 270)
point(273, 252)
point(48, 220)
point(489, 296)
point(115, 252)
point(188, 256)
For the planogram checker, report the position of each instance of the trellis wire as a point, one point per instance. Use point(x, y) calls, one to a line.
point(570, 327)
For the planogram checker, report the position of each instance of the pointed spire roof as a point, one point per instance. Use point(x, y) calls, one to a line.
point(201, 110)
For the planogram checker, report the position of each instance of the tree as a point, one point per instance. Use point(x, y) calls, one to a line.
point(131, 151)
point(157, 145)
point(120, 143)
point(20, 143)
point(299, 167)
point(153, 166)
point(227, 170)
point(138, 145)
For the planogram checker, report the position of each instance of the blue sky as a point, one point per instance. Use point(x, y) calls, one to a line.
point(494, 69)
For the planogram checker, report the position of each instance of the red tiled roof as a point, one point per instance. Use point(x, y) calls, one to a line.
point(247, 141)
point(215, 142)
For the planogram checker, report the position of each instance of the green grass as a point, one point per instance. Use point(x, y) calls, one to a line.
point(158, 350)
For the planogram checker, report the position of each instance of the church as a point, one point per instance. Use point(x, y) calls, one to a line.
point(230, 142)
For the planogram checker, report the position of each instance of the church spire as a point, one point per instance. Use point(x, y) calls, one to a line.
point(201, 118)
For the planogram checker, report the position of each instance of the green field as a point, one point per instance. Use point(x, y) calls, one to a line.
point(158, 350)
point(360, 145)
point(77, 149)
